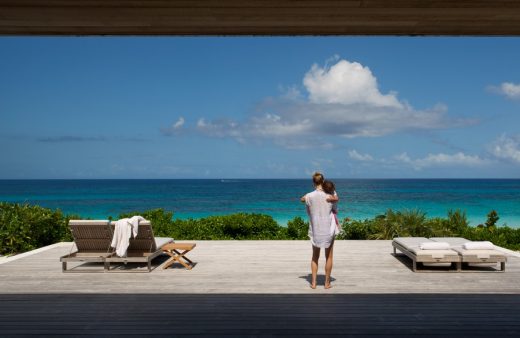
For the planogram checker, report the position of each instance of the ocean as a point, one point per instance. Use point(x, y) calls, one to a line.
point(360, 198)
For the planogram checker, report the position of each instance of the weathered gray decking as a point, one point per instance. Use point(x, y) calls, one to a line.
point(259, 288)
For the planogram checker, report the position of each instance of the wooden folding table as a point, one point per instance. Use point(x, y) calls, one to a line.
point(172, 250)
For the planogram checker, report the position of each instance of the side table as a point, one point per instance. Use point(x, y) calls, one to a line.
point(172, 250)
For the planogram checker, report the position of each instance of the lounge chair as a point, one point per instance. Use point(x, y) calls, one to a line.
point(142, 249)
point(92, 240)
point(474, 256)
point(411, 247)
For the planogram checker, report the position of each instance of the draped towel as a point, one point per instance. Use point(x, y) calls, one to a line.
point(125, 228)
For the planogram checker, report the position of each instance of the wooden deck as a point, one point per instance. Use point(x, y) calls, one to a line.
point(242, 288)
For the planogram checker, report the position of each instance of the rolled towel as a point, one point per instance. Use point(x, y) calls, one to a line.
point(484, 245)
point(434, 246)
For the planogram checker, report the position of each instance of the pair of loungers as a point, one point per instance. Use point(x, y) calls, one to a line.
point(454, 250)
point(93, 238)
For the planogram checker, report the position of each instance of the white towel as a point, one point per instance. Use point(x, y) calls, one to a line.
point(434, 246)
point(123, 231)
point(484, 245)
point(134, 222)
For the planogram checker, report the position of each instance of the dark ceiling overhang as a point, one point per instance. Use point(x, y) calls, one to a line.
point(260, 17)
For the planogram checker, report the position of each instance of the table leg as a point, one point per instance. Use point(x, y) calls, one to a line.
point(176, 256)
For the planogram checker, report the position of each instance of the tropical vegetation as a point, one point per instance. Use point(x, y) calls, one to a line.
point(24, 227)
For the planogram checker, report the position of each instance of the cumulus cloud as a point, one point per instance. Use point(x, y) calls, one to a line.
point(441, 160)
point(346, 83)
point(174, 128)
point(353, 154)
point(508, 89)
point(507, 148)
point(343, 100)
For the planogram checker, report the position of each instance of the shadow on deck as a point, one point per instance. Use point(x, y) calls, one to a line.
point(261, 314)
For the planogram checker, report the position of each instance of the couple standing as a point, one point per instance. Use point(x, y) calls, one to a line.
point(321, 208)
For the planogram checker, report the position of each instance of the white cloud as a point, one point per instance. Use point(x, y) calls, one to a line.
point(174, 128)
point(441, 160)
point(179, 123)
point(353, 154)
point(220, 128)
point(290, 93)
point(321, 163)
point(507, 148)
point(343, 101)
point(346, 83)
point(508, 89)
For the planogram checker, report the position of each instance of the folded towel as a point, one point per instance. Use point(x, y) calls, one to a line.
point(434, 246)
point(484, 245)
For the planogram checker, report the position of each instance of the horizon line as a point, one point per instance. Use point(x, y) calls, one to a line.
point(260, 178)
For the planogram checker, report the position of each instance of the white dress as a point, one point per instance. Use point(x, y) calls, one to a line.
point(319, 211)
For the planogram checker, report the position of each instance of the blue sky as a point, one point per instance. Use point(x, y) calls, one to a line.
point(352, 107)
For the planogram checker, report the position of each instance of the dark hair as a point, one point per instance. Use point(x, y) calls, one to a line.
point(328, 187)
point(317, 178)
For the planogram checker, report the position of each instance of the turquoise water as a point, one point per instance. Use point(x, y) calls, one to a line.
point(360, 199)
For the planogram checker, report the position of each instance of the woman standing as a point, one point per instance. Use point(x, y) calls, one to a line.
point(319, 209)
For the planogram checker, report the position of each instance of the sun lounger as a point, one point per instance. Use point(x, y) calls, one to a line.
point(411, 247)
point(92, 240)
point(142, 249)
point(474, 256)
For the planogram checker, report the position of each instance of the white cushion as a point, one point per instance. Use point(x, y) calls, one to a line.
point(484, 245)
point(434, 246)
point(160, 241)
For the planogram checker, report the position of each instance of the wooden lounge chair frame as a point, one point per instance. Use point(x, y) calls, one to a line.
point(92, 239)
point(493, 256)
point(454, 258)
point(142, 249)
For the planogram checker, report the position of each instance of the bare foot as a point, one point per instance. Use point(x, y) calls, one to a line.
point(328, 286)
point(313, 286)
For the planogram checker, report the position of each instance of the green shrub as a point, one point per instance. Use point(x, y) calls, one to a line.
point(25, 227)
point(161, 220)
point(387, 226)
point(457, 222)
point(297, 228)
point(492, 219)
point(414, 223)
point(354, 229)
point(234, 226)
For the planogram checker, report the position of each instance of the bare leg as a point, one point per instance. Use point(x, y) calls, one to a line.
point(328, 264)
point(314, 265)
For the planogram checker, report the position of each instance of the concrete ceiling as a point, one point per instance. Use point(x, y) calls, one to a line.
point(260, 17)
